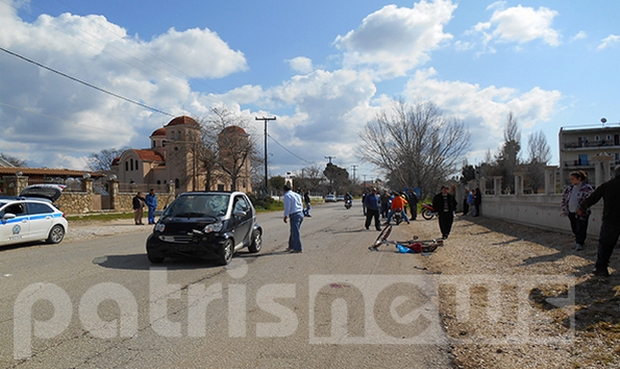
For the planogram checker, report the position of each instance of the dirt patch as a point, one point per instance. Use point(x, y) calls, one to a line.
point(520, 312)
point(88, 229)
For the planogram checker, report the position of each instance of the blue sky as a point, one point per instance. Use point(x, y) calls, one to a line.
point(324, 68)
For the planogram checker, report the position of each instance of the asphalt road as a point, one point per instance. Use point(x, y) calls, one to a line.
point(100, 304)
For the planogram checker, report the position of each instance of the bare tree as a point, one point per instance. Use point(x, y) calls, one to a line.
point(227, 145)
point(102, 160)
point(538, 148)
point(310, 177)
point(415, 145)
point(13, 160)
point(539, 156)
point(508, 157)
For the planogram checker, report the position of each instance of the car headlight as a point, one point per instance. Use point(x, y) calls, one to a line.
point(215, 227)
point(160, 227)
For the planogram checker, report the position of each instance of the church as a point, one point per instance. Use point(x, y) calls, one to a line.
point(175, 157)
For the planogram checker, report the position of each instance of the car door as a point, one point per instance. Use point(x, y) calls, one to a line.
point(17, 229)
point(243, 223)
point(40, 217)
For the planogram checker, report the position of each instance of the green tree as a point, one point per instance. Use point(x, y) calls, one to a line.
point(338, 177)
point(276, 182)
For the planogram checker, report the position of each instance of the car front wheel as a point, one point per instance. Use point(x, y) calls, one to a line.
point(56, 235)
point(226, 252)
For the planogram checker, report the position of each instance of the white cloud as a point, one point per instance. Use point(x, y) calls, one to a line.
point(52, 113)
point(484, 108)
point(520, 24)
point(579, 36)
point(609, 41)
point(394, 40)
point(301, 64)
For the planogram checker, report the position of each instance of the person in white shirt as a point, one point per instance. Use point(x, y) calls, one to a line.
point(293, 210)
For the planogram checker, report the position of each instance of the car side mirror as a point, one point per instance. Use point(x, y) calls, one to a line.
point(240, 213)
point(7, 217)
point(158, 213)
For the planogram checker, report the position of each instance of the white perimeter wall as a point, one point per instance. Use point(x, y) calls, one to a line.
point(540, 211)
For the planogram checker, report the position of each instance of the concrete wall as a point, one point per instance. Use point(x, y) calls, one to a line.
point(540, 211)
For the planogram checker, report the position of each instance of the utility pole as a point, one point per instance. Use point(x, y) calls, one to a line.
point(330, 158)
point(266, 120)
point(353, 167)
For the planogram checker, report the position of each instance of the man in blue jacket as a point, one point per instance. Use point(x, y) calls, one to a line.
point(372, 203)
point(151, 203)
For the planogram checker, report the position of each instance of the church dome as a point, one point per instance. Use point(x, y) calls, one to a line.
point(182, 120)
point(159, 132)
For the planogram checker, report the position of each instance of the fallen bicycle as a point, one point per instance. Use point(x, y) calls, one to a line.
point(410, 246)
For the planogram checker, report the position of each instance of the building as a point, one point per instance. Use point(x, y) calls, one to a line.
point(585, 147)
point(176, 156)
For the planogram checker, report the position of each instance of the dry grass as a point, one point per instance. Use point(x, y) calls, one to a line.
point(584, 334)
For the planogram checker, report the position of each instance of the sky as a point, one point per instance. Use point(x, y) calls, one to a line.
point(323, 68)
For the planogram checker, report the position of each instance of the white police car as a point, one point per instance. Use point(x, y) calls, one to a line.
point(31, 216)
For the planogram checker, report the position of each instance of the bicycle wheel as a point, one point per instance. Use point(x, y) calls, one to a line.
point(385, 233)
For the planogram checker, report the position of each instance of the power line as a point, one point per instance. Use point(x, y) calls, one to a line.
point(289, 151)
point(87, 83)
point(108, 44)
point(55, 118)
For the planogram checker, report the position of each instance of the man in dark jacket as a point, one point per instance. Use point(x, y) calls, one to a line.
point(138, 203)
point(610, 227)
point(412, 197)
point(445, 206)
point(372, 205)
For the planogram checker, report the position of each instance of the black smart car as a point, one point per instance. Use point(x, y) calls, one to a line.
point(207, 225)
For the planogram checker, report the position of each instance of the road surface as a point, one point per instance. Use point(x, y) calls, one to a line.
point(99, 303)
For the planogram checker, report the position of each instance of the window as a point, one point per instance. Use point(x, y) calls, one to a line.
point(18, 209)
point(126, 166)
point(131, 164)
point(597, 138)
point(35, 208)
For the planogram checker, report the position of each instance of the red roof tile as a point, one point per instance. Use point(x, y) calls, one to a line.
point(149, 155)
point(183, 120)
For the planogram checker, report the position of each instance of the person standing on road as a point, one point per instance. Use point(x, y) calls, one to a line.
point(477, 201)
point(293, 210)
point(445, 206)
point(413, 203)
point(572, 197)
point(385, 203)
point(138, 204)
point(151, 203)
point(372, 203)
point(307, 202)
point(466, 201)
point(610, 227)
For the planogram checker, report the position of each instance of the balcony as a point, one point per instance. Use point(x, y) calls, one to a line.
point(590, 145)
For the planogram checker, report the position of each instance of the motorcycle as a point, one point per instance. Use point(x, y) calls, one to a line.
point(428, 212)
point(398, 216)
point(348, 203)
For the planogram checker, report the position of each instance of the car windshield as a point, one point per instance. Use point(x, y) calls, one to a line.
point(198, 205)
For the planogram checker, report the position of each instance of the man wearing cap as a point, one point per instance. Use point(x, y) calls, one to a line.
point(293, 210)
